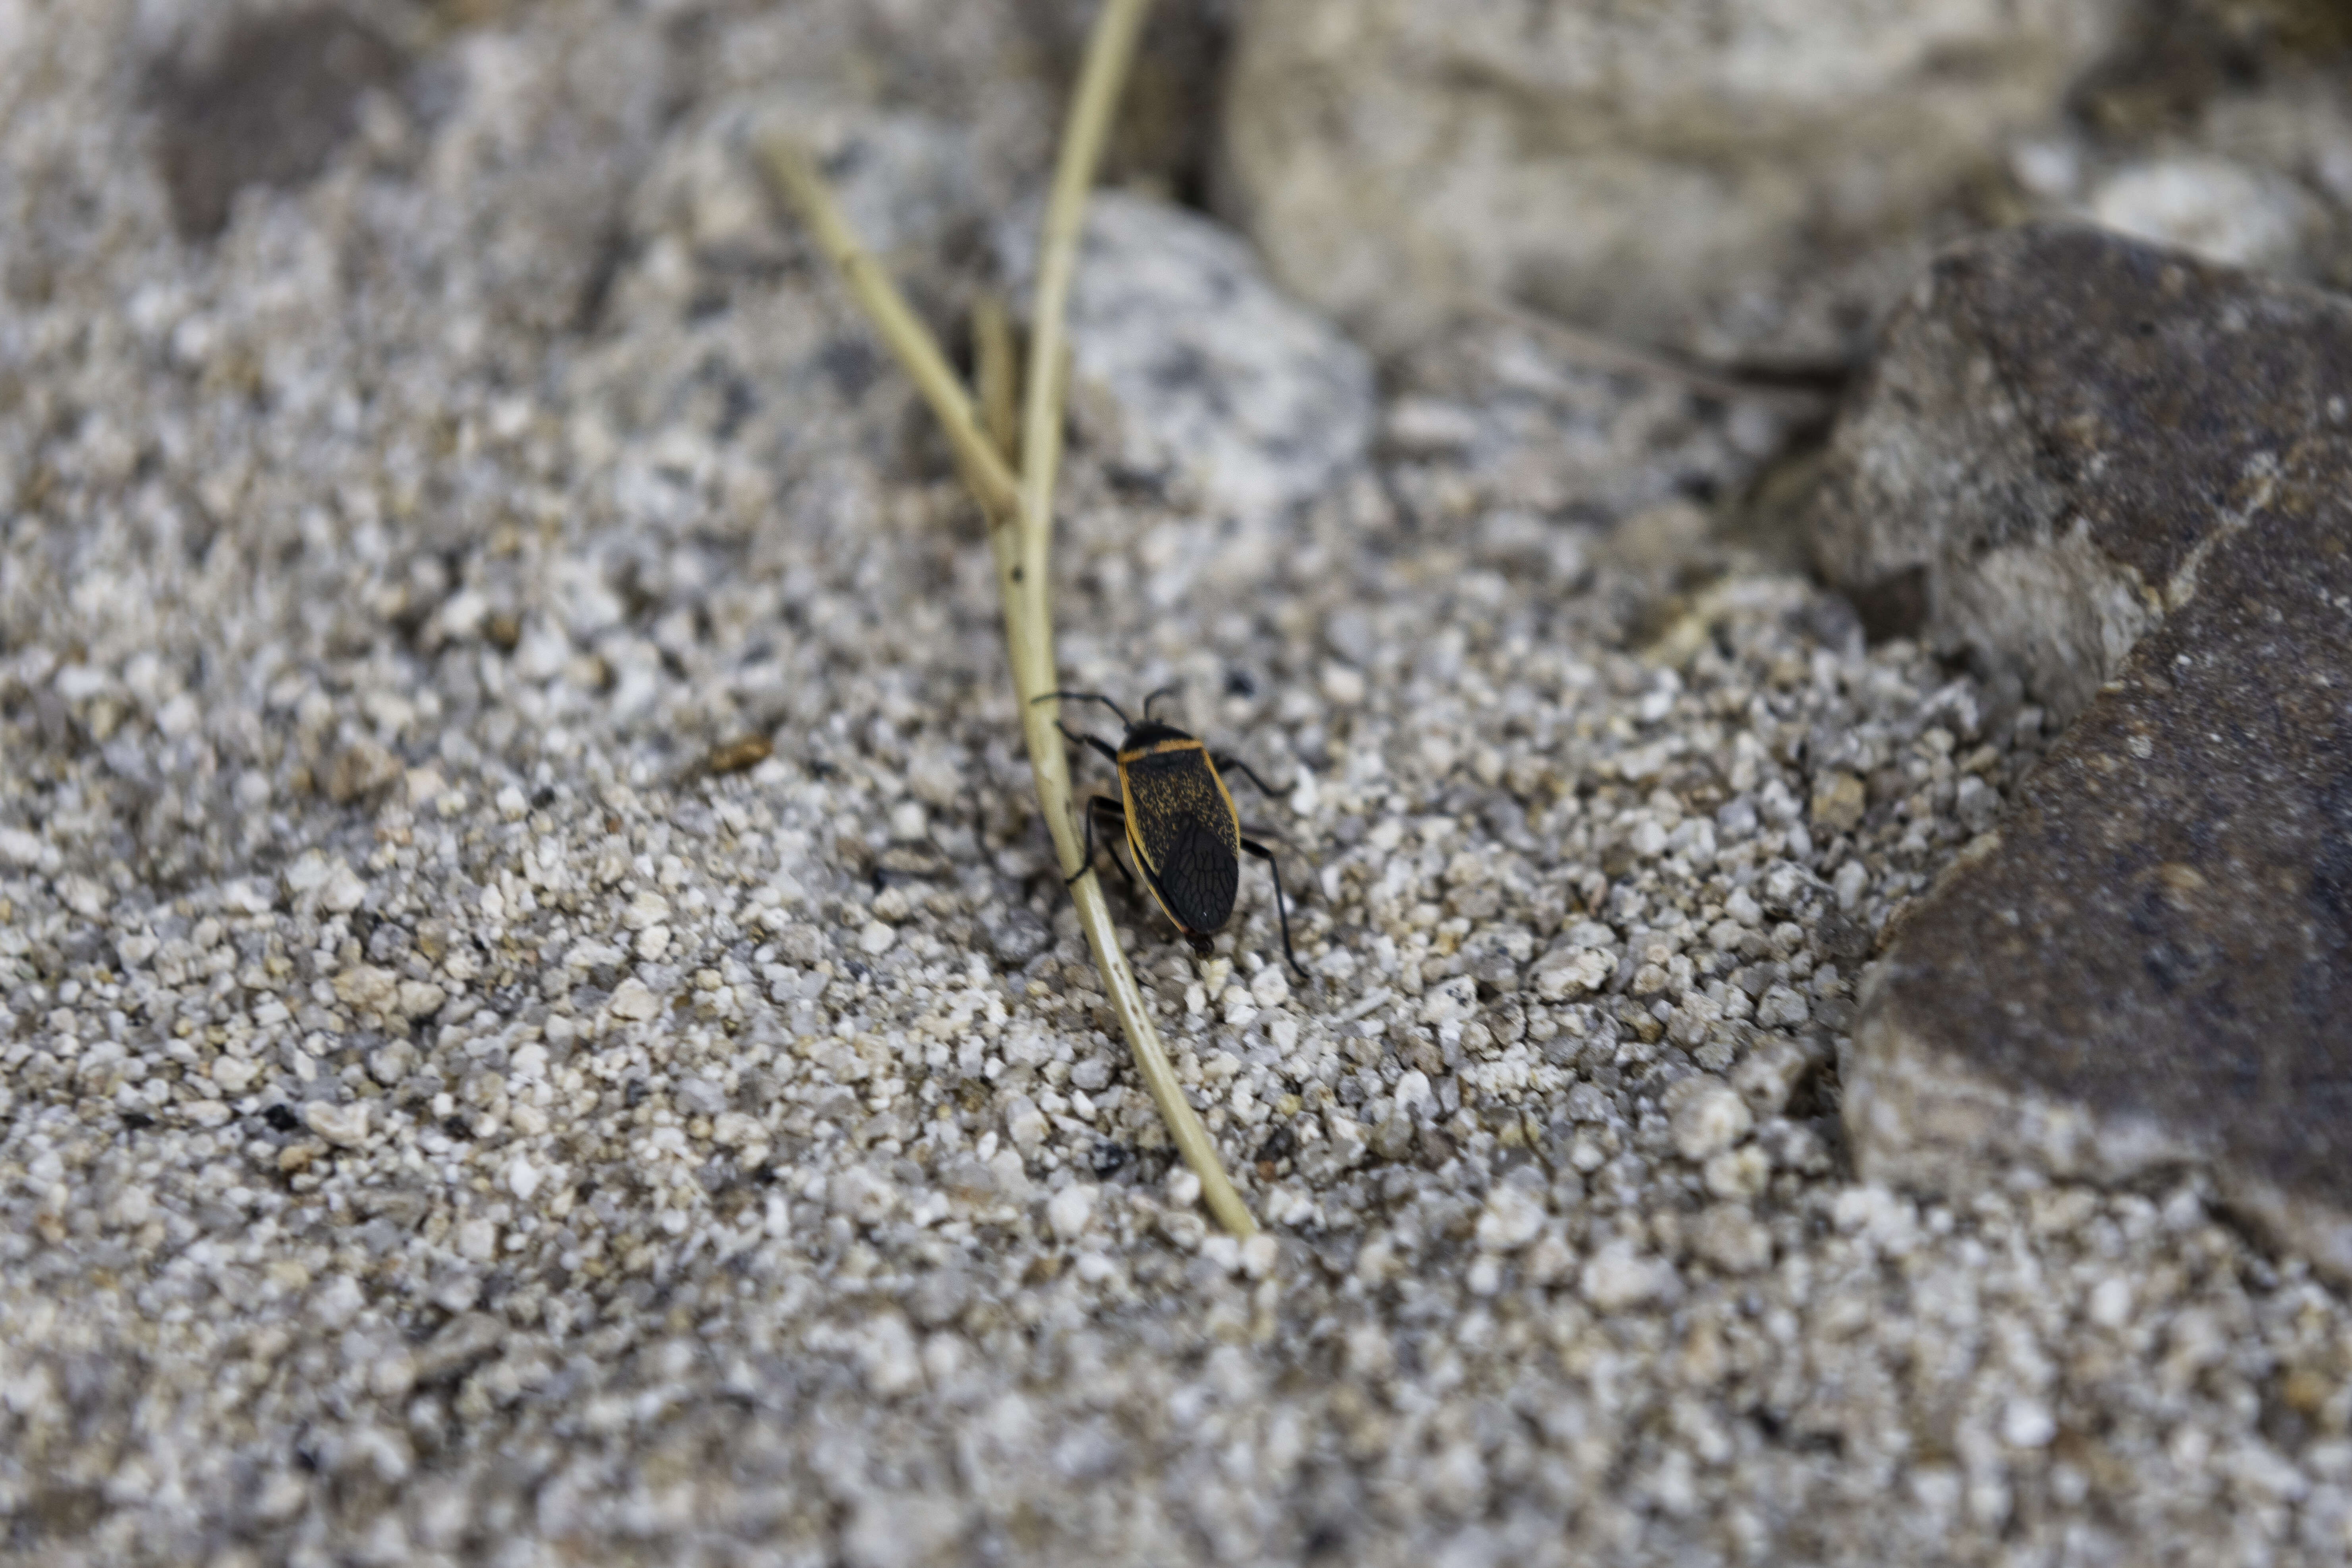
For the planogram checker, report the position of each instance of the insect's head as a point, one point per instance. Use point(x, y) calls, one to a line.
point(1144, 731)
point(1151, 732)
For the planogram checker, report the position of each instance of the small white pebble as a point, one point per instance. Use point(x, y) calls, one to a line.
point(18, 847)
point(1728, 1237)
point(1451, 1003)
point(1512, 1218)
point(1768, 1074)
point(418, 999)
point(1259, 1255)
point(234, 1075)
point(1738, 1174)
point(1306, 799)
point(2026, 1423)
point(1342, 686)
point(632, 999)
point(477, 1240)
point(423, 786)
point(1026, 1125)
point(523, 1179)
point(2110, 1305)
point(862, 1194)
point(1183, 1188)
point(246, 896)
point(1071, 1210)
point(338, 1302)
point(1711, 1120)
point(888, 1356)
point(345, 1126)
point(877, 939)
point(368, 988)
point(1618, 1277)
point(341, 891)
point(179, 716)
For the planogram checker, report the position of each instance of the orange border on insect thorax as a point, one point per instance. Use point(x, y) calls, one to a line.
point(1160, 748)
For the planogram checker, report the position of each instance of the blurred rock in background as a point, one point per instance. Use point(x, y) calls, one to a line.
point(1752, 182)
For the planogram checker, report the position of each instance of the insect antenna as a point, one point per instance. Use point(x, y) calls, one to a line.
point(1088, 697)
point(1163, 691)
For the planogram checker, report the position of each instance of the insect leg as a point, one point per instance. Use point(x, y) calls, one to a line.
point(1084, 697)
point(1096, 742)
point(1247, 771)
point(1281, 907)
point(1087, 864)
point(1102, 805)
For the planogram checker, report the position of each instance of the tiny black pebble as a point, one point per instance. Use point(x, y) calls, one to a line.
point(635, 1095)
point(137, 1120)
point(455, 1127)
point(281, 1119)
point(1281, 1144)
point(1239, 684)
point(542, 797)
point(1108, 1157)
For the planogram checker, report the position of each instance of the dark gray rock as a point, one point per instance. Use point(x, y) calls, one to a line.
point(270, 108)
point(2060, 425)
point(2131, 475)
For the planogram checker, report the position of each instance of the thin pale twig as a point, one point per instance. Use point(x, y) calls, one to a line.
point(1029, 612)
point(982, 440)
point(999, 376)
point(984, 469)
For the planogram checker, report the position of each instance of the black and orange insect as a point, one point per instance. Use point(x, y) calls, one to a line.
point(1179, 822)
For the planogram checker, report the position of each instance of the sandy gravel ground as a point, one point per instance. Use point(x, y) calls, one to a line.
point(444, 1120)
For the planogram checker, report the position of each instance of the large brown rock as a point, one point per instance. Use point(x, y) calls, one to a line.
point(2129, 475)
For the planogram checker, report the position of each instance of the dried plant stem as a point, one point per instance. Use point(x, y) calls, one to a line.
point(998, 374)
point(1028, 606)
point(983, 466)
point(1021, 515)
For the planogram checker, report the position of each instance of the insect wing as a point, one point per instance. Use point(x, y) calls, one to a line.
point(1197, 882)
point(1181, 824)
